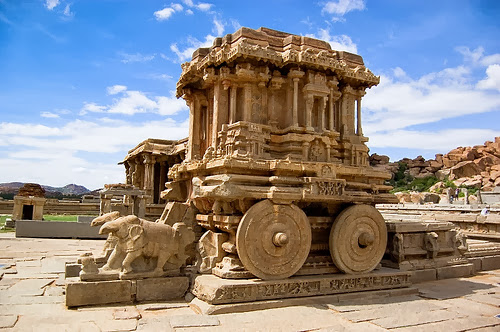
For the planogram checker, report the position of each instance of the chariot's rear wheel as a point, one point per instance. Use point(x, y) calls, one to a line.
point(358, 239)
point(273, 240)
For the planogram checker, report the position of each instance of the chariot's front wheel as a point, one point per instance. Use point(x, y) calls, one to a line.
point(358, 239)
point(273, 240)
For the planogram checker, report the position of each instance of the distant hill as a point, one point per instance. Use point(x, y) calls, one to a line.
point(67, 190)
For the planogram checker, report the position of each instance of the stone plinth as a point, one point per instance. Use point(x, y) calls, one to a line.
point(215, 290)
point(125, 291)
point(433, 250)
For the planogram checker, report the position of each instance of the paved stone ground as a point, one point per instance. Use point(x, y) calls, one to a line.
point(32, 299)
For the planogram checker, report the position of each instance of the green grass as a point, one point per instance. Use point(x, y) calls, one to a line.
point(2, 224)
point(51, 217)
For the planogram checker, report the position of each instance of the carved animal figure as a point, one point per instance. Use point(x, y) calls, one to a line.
point(141, 238)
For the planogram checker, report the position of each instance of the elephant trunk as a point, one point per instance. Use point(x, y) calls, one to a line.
point(109, 227)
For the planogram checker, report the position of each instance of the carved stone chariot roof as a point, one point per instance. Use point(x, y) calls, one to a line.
point(283, 50)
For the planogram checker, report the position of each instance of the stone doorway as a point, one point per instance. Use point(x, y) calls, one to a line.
point(27, 212)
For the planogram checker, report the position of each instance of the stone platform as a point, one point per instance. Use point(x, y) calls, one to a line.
point(214, 290)
point(125, 291)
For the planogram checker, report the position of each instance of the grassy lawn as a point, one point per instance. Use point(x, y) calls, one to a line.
point(2, 224)
point(51, 217)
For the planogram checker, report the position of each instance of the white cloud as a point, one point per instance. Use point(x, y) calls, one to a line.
point(204, 7)
point(400, 102)
point(434, 141)
point(115, 89)
point(67, 12)
point(132, 102)
point(92, 107)
point(164, 14)
point(51, 4)
point(218, 28)
point(189, 12)
point(186, 54)
point(188, 3)
point(338, 43)
point(477, 57)
point(33, 146)
point(492, 81)
point(137, 57)
point(167, 12)
point(341, 7)
point(49, 115)
point(177, 7)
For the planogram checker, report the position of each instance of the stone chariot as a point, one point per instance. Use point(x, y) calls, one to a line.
point(276, 165)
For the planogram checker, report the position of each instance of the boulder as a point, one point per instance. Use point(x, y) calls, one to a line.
point(416, 197)
point(403, 197)
point(431, 197)
point(464, 169)
point(437, 187)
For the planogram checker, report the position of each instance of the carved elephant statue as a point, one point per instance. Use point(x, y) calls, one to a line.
point(141, 238)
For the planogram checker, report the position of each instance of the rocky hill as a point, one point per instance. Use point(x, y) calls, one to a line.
point(67, 190)
point(476, 167)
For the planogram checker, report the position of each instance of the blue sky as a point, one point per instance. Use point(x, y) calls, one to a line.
point(83, 81)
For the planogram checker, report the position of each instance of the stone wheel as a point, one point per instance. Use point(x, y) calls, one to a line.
point(273, 240)
point(358, 239)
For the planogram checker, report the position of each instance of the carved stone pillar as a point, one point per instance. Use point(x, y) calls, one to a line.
point(149, 169)
point(309, 109)
point(247, 102)
point(359, 130)
point(322, 126)
point(232, 103)
point(334, 96)
point(194, 130)
point(217, 115)
point(295, 75)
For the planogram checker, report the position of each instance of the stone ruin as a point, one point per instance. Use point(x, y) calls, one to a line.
point(29, 202)
point(275, 196)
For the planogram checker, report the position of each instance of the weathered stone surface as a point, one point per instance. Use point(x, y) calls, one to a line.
point(8, 321)
point(455, 271)
point(127, 313)
point(215, 290)
point(415, 318)
point(181, 321)
point(161, 289)
point(94, 293)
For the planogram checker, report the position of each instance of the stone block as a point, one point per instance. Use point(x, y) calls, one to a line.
point(477, 262)
point(72, 270)
point(490, 263)
point(57, 229)
point(215, 290)
point(455, 271)
point(185, 321)
point(102, 292)
point(161, 289)
point(423, 275)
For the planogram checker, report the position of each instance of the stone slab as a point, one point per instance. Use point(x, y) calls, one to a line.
point(423, 275)
point(460, 324)
point(7, 321)
point(94, 293)
point(215, 290)
point(205, 308)
point(490, 263)
point(455, 271)
point(415, 319)
point(57, 229)
point(183, 321)
point(161, 289)
point(72, 270)
point(29, 287)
